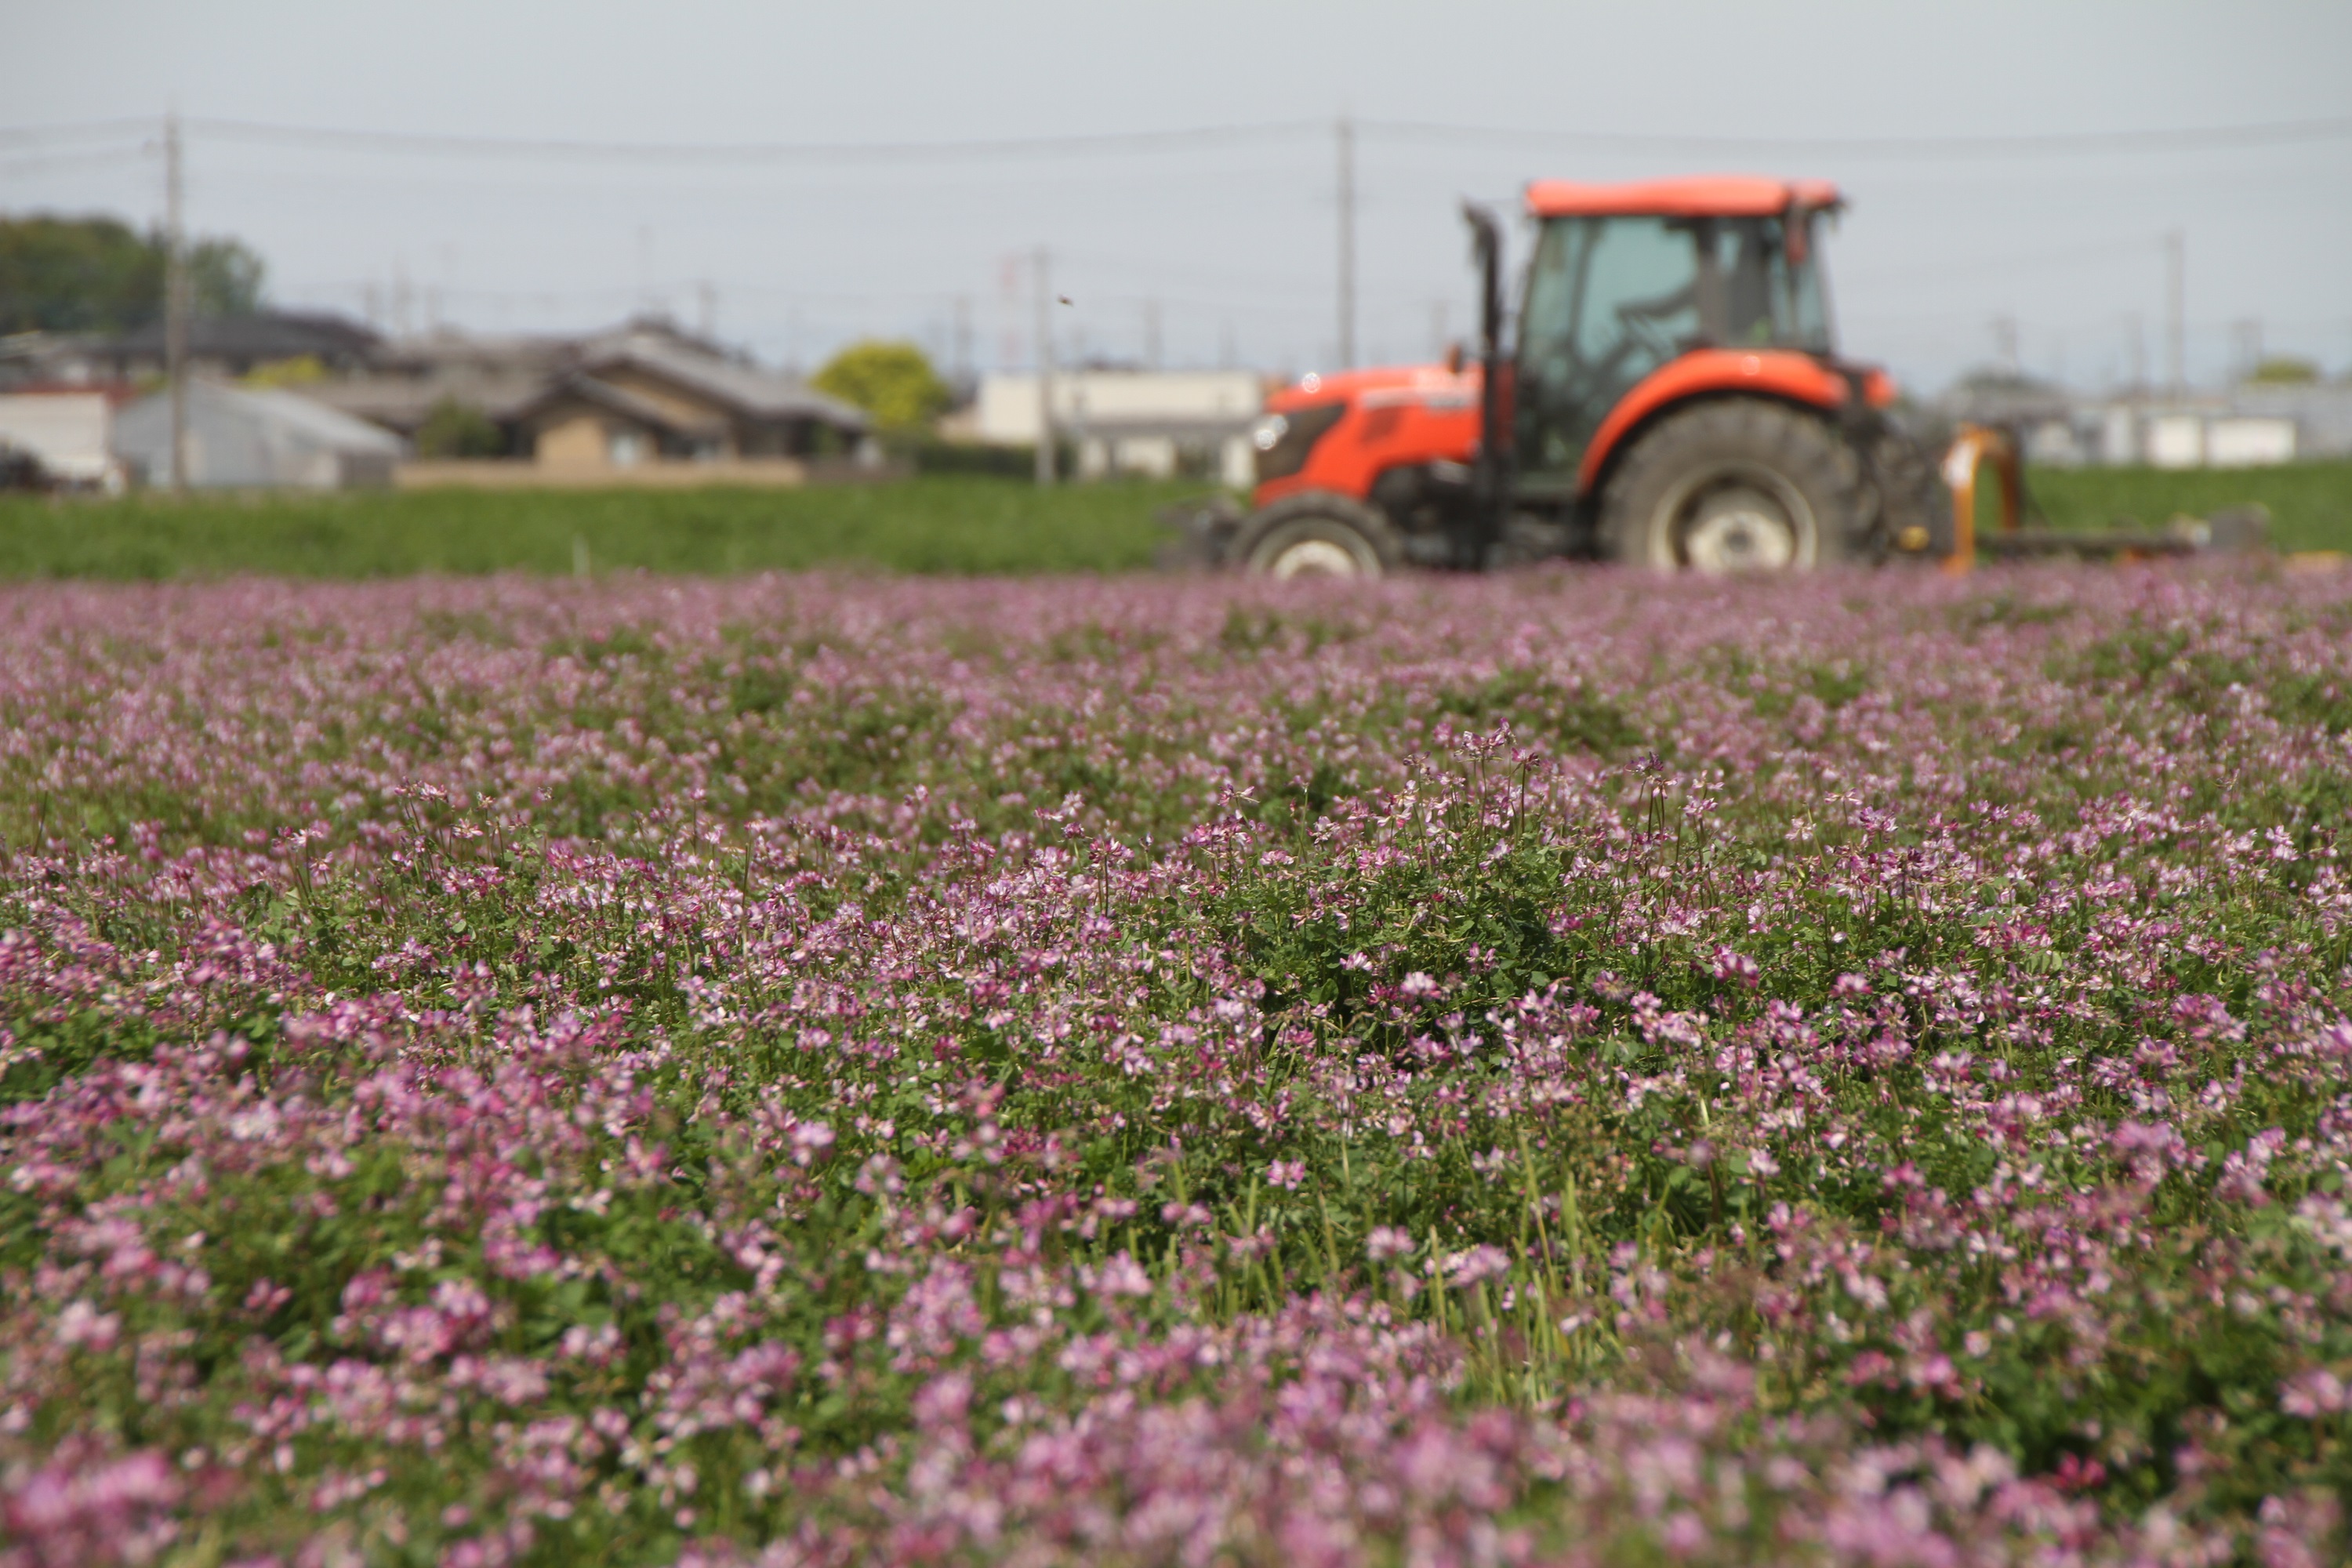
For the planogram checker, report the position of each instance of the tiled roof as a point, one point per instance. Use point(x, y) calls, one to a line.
point(622, 401)
point(743, 388)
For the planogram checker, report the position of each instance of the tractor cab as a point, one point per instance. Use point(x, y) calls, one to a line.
point(1627, 280)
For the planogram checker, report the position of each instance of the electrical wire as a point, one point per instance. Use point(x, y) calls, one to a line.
point(43, 163)
point(2176, 138)
point(81, 130)
point(396, 141)
point(2184, 139)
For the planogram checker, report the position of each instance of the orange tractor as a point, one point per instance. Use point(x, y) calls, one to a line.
point(1672, 397)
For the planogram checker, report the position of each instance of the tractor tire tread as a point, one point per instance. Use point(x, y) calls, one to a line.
point(1800, 446)
point(1382, 538)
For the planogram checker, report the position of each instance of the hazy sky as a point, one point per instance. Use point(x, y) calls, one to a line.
point(1231, 243)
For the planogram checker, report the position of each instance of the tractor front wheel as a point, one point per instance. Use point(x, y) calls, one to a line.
point(1317, 535)
point(1736, 486)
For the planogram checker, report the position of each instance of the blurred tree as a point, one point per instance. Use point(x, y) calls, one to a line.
point(892, 381)
point(299, 371)
point(224, 277)
point(99, 275)
point(2282, 370)
point(455, 429)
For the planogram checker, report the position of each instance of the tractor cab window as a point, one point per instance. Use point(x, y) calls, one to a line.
point(1767, 297)
point(1608, 301)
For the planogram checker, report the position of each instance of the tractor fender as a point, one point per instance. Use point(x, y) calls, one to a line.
point(1779, 375)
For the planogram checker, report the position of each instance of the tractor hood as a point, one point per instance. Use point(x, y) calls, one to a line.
point(1339, 432)
point(1427, 385)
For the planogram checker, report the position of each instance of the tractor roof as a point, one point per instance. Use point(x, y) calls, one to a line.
point(1697, 196)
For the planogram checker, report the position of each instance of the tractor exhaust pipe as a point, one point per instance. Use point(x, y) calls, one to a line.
point(1492, 477)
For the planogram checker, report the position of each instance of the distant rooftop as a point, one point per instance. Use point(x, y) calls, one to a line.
point(263, 336)
point(699, 367)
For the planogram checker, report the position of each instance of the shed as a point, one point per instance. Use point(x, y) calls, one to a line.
point(66, 431)
point(244, 438)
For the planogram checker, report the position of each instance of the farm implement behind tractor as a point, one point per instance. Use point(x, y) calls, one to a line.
point(1669, 395)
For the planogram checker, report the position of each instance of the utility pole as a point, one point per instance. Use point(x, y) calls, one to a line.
point(2004, 341)
point(2176, 312)
point(1045, 455)
point(960, 368)
point(1347, 131)
point(176, 302)
point(2249, 333)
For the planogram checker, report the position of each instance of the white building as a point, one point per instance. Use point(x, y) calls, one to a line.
point(1133, 422)
point(2184, 435)
point(2243, 426)
point(244, 438)
point(69, 432)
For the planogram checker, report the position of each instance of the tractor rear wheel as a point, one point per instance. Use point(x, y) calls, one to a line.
point(1740, 485)
point(1317, 535)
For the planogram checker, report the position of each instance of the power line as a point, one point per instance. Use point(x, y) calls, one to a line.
point(81, 130)
point(43, 163)
point(400, 142)
point(2159, 140)
point(2100, 251)
point(2142, 139)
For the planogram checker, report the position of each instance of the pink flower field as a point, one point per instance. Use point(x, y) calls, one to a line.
point(1563, 1068)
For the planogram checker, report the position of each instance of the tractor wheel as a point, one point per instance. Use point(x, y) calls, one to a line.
point(1317, 535)
point(1737, 485)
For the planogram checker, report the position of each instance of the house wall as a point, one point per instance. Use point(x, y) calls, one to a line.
point(67, 431)
point(681, 406)
point(572, 440)
point(1007, 409)
point(506, 474)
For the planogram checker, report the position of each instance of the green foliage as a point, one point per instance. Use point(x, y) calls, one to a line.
point(1851, 1082)
point(301, 369)
point(933, 524)
point(97, 274)
point(2310, 503)
point(224, 279)
point(892, 381)
point(455, 429)
point(2285, 370)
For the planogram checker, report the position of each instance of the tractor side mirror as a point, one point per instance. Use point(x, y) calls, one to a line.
point(1453, 359)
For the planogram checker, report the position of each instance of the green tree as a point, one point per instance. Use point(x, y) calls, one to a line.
point(99, 275)
point(455, 429)
point(2282, 370)
point(224, 277)
point(891, 381)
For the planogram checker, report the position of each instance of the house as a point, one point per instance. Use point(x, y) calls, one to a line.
point(2241, 427)
point(650, 394)
point(244, 438)
point(497, 376)
point(647, 404)
point(1137, 422)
